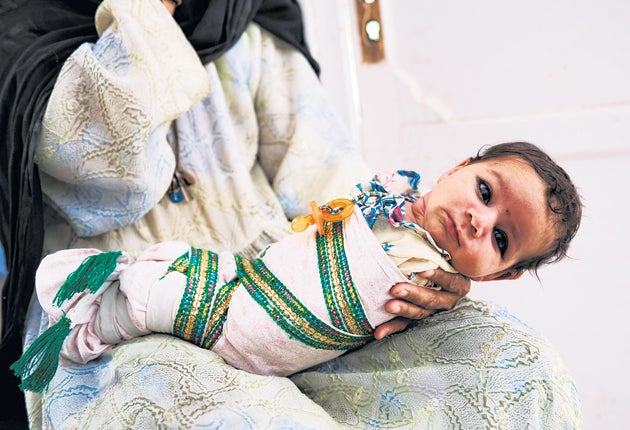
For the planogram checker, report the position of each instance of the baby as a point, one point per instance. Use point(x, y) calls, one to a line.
point(321, 291)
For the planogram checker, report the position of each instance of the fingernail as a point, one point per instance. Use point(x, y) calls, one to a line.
point(403, 293)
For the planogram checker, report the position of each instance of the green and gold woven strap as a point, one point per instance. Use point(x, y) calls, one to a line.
point(214, 326)
point(181, 264)
point(203, 307)
point(289, 313)
point(340, 293)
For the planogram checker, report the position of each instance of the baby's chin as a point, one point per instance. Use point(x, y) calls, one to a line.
point(473, 275)
point(476, 276)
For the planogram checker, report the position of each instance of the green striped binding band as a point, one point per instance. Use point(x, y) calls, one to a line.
point(203, 307)
point(340, 294)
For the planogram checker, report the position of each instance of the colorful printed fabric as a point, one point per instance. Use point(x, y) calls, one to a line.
point(409, 245)
point(386, 194)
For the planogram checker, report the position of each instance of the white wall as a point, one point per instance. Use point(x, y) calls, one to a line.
point(460, 74)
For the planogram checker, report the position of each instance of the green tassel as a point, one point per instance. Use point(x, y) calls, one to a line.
point(38, 364)
point(89, 276)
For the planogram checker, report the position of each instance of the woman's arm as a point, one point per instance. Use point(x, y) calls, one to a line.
point(414, 302)
point(102, 152)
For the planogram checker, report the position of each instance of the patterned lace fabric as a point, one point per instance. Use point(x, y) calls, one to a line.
point(253, 131)
point(476, 366)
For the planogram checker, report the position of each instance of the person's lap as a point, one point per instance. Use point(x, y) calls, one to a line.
point(471, 367)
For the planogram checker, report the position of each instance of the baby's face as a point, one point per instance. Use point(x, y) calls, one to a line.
point(488, 215)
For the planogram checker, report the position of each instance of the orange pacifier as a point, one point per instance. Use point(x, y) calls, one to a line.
point(333, 211)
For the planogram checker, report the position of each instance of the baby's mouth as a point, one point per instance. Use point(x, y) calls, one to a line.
point(452, 228)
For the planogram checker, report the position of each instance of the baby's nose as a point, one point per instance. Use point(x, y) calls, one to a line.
point(481, 221)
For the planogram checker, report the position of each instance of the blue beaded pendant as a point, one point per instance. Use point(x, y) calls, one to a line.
point(177, 190)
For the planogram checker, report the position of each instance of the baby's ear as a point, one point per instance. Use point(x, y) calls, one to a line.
point(464, 163)
point(510, 274)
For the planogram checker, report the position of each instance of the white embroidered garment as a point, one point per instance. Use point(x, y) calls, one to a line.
point(257, 148)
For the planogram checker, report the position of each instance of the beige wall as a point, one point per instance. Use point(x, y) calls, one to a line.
point(461, 74)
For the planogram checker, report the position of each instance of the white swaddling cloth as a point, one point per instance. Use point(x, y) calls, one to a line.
point(150, 293)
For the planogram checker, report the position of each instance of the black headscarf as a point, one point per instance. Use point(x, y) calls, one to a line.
point(36, 37)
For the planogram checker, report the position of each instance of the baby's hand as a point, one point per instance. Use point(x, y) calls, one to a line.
point(414, 302)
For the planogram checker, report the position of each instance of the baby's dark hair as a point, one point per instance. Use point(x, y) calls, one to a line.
point(563, 198)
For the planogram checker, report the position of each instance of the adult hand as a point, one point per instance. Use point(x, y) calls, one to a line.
point(414, 302)
point(171, 5)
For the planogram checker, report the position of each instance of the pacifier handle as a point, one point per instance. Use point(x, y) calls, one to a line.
point(335, 210)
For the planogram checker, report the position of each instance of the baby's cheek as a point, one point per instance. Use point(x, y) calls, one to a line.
point(469, 265)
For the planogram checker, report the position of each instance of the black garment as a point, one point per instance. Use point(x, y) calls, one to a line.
point(214, 26)
point(36, 37)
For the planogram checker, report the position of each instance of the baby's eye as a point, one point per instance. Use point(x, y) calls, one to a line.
point(502, 241)
point(484, 192)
